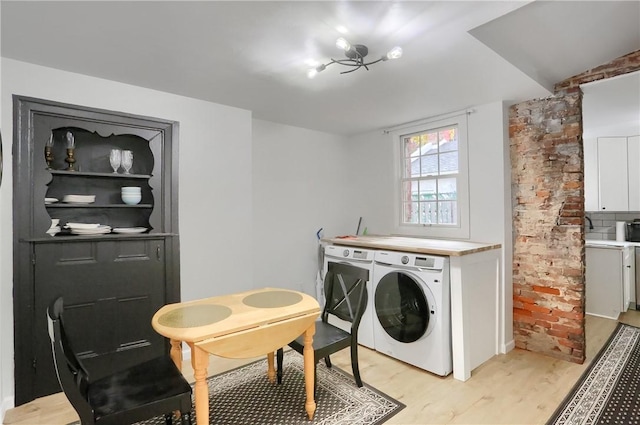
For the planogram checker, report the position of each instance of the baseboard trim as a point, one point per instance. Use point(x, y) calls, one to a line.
point(508, 346)
point(7, 403)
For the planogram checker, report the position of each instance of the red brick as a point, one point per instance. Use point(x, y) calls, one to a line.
point(521, 312)
point(539, 309)
point(559, 334)
point(546, 290)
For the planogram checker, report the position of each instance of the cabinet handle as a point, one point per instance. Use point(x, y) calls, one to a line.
point(158, 252)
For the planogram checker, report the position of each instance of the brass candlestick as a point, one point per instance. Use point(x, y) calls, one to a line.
point(48, 156)
point(70, 159)
point(71, 144)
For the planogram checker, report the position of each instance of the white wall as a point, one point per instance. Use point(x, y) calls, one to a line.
point(300, 180)
point(214, 189)
point(372, 155)
point(6, 393)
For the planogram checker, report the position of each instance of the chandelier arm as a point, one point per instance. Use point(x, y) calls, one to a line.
point(371, 63)
point(346, 62)
point(351, 70)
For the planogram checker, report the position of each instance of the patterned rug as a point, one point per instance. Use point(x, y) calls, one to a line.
point(609, 390)
point(244, 396)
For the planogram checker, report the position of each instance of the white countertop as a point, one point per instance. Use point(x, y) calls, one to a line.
point(608, 243)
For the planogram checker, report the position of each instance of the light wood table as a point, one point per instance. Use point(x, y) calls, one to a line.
point(242, 325)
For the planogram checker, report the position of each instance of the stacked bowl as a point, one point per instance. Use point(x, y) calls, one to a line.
point(131, 195)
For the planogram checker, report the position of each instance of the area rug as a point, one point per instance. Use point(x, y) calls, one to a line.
point(244, 396)
point(608, 392)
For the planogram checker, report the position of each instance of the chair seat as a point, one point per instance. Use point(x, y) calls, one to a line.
point(327, 340)
point(131, 389)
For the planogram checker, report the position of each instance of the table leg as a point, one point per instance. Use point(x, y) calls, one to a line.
point(200, 361)
point(176, 356)
point(271, 371)
point(176, 353)
point(309, 365)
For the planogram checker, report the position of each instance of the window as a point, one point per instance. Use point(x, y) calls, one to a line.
point(433, 179)
point(430, 171)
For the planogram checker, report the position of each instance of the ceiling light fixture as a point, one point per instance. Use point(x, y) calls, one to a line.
point(355, 54)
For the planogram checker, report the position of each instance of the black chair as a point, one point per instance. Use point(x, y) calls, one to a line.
point(150, 389)
point(345, 288)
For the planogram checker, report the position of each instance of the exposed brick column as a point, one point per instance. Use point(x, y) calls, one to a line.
point(548, 207)
point(548, 199)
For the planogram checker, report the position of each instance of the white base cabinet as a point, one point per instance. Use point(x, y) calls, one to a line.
point(610, 277)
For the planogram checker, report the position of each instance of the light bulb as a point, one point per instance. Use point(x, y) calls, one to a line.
point(343, 44)
point(314, 71)
point(395, 53)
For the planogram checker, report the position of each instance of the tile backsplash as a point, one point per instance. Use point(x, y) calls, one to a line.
point(604, 223)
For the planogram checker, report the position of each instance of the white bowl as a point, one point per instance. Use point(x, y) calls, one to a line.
point(131, 199)
point(129, 189)
point(79, 199)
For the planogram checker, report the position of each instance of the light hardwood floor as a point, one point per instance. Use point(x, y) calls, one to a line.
point(516, 388)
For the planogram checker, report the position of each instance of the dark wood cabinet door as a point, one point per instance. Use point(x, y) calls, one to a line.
point(111, 290)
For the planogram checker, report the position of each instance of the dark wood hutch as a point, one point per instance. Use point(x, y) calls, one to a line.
point(112, 283)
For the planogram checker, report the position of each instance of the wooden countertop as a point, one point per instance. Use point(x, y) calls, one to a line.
point(418, 245)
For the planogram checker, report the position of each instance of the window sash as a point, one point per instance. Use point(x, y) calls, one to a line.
point(436, 154)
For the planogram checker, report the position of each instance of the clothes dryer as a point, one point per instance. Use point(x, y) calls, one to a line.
point(412, 309)
point(362, 258)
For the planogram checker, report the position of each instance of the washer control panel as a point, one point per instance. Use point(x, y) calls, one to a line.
point(421, 261)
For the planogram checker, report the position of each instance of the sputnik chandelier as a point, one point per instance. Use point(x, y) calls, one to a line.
point(355, 54)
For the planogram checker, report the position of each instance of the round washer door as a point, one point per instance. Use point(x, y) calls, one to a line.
point(402, 307)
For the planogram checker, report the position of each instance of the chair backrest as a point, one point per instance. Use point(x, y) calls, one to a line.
point(345, 287)
point(72, 375)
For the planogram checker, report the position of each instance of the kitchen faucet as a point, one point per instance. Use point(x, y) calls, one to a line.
point(590, 222)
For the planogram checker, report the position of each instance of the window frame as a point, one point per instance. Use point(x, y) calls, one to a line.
point(461, 229)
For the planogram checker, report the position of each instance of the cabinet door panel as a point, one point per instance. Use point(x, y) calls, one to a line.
point(591, 175)
point(633, 165)
point(604, 282)
point(612, 174)
point(111, 290)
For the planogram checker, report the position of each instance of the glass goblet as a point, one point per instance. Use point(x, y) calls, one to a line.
point(115, 158)
point(127, 161)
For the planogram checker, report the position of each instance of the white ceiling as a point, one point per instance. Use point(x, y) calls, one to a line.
point(252, 55)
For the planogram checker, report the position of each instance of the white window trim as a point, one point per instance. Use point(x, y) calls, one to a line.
point(461, 231)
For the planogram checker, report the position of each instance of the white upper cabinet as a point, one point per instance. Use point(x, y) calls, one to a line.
point(612, 174)
point(611, 125)
point(613, 180)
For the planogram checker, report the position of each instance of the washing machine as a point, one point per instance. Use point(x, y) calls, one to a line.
point(412, 309)
point(362, 258)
